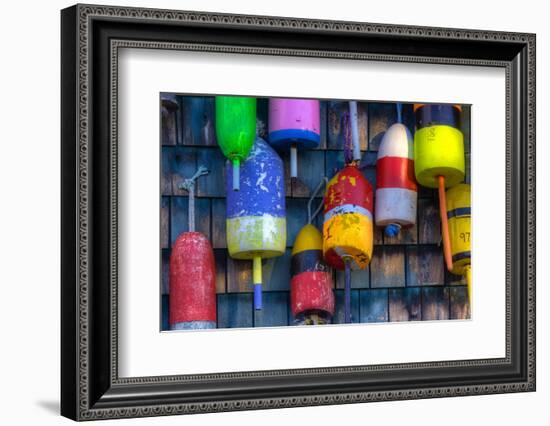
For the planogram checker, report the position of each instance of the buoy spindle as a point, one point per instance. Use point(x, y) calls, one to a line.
point(347, 291)
point(257, 276)
point(444, 224)
point(236, 174)
point(354, 130)
point(293, 161)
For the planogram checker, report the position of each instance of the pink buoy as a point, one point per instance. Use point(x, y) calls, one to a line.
point(294, 124)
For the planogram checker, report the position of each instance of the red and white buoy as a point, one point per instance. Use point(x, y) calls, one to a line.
point(396, 188)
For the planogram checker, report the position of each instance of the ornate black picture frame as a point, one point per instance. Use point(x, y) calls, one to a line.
point(91, 36)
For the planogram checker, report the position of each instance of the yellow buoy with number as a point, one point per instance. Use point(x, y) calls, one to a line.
point(459, 220)
point(439, 156)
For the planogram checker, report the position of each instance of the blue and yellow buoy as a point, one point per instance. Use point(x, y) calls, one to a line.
point(256, 215)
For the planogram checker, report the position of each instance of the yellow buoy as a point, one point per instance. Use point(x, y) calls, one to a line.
point(439, 155)
point(459, 222)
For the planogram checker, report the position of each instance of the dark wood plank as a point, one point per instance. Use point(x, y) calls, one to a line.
point(311, 169)
point(460, 307)
point(220, 256)
point(212, 184)
point(165, 313)
point(338, 317)
point(165, 170)
point(323, 124)
point(182, 165)
point(276, 272)
point(179, 213)
point(381, 117)
point(198, 120)
point(388, 267)
point(239, 275)
point(373, 305)
point(378, 236)
point(368, 159)
point(219, 237)
point(168, 114)
point(275, 310)
point(363, 124)
point(235, 310)
point(425, 266)
point(296, 218)
point(262, 114)
point(408, 117)
point(334, 162)
point(370, 174)
point(164, 222)
point(429, 224)
point(359, 278)
point(165, 271)
point(468, 177)
point(435, 303)
point(335, 125)
point(466, 126)
point(404, 304)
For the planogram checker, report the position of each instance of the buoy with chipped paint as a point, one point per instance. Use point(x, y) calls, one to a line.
point(459, 219)
point(439, 156)
point(396, 189)
point(256, 214)
point(347, 227)
point(348, 223)
point(311, 285)
point(235, 129)
point(294, 124)
point(192, 273)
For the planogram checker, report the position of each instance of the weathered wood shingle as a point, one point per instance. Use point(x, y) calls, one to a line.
point(406, 280)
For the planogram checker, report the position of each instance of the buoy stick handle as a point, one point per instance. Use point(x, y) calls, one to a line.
point(347, 292)
point(257, 279)
point(444, 224)
point(354, 130)
point(293, 161)
point(189, 185)
point(236, 174)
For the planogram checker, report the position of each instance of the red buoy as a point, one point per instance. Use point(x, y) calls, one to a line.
point(192, 274)
point(192, 283)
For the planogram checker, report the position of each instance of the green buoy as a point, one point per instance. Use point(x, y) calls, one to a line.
point(235, 129)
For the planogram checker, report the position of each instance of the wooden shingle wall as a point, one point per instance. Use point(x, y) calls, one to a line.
point(406, 280)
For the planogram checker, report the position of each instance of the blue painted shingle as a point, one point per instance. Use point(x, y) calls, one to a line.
point(235, 310)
